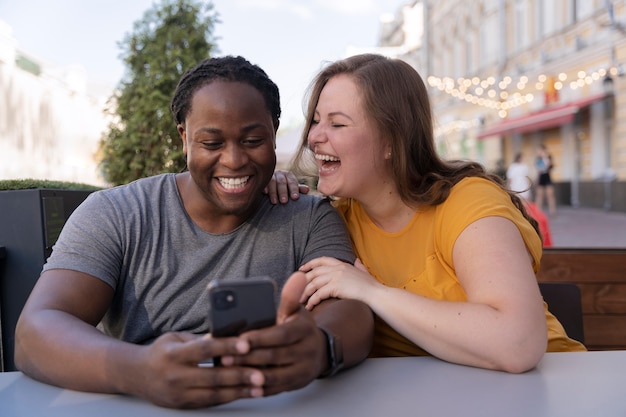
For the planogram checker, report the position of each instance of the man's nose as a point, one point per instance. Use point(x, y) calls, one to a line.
point(233, 156)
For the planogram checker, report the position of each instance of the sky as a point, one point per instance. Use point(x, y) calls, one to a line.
point(289, 39)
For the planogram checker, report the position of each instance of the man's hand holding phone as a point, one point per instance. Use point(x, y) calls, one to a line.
point(291, 353)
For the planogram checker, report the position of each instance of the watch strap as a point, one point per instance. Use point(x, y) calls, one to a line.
point(335, 353)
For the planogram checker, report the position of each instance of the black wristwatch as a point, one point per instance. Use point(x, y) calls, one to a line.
point(335, 353)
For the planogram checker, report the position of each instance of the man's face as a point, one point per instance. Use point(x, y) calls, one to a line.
point(229, 140)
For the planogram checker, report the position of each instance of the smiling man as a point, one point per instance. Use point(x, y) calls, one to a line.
point(121, 305)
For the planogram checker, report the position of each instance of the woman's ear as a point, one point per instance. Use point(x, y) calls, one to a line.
point(387, 151)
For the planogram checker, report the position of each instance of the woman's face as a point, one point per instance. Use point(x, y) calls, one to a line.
point(348, 150)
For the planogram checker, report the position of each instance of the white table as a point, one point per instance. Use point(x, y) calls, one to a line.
point(586, 384)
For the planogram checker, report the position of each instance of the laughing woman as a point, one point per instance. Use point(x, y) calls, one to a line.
point(449, 255)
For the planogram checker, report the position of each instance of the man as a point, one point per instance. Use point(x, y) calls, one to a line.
point(121, 305)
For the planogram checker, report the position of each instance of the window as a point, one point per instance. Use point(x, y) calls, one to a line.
point(489, 38)
point(469, 55)
point(457, 57)
point(551, 16)
point(585, 8)
point(521, 25)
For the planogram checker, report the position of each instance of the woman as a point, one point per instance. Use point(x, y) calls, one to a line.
point(517, 180)
point(545, 187)
point(517, 177)
point(448, 255)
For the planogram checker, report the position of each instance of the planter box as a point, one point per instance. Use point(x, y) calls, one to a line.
point(30, 223)
point(593, 194)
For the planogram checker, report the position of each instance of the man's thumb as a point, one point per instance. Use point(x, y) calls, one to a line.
point(290, 296)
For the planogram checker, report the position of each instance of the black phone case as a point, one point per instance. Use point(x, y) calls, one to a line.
point(242, 305)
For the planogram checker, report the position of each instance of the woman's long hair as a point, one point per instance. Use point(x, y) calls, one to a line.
point(397, 103)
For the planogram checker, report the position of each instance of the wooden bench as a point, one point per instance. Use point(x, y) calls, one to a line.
point(601, 276)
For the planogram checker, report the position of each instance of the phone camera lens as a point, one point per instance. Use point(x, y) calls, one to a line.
point(225, 300)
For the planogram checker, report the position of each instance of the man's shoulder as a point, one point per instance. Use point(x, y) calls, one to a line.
point(309, 202)
point(145, 183)
point(305, 205)
point(303, 201)
point(153, 185)
point(312, 199)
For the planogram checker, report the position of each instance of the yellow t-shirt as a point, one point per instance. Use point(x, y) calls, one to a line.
point(419, 257)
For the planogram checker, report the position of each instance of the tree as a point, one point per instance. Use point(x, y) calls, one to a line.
point(142, 139)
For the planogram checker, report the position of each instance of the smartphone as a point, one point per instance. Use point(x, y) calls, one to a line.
point(237, 306)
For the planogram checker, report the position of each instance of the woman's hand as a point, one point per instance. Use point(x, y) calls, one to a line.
point(283, 185)
point(331, 278)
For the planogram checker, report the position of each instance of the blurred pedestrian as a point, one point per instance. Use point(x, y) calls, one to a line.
point(518, 181)
point(545, 187)
point(517, 177)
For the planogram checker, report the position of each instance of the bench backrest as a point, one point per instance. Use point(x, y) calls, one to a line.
point(600, 274)
point(564, 301)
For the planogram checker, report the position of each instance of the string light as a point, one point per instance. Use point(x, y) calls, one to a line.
point(502, 97)
point(456, 126)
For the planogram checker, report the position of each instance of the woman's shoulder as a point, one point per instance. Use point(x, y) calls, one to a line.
point(471, 199)
point(475, 188)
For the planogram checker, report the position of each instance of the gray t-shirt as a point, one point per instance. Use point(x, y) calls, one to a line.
point(139, 239)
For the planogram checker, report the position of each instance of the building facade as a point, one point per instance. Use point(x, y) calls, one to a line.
point(506, 76)
point(50, 127)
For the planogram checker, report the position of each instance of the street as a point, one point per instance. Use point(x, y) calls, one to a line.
point(588, 228)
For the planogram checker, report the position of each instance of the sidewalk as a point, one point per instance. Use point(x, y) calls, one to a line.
point(587, 227)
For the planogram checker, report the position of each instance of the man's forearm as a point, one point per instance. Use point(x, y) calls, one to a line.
point(62, 350)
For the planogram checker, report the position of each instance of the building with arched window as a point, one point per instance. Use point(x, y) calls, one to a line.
point(50, 127)
point(506, 76)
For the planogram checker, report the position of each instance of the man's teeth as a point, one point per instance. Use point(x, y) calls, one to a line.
point(326, 158)
point(233, 182)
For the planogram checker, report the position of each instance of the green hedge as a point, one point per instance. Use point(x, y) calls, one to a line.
point(28, 183)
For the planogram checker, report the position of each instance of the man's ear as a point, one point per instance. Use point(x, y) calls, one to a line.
point(183, 136)
point(276, 133)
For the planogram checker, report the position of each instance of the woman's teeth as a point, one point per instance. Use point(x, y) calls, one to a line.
point(326, 158)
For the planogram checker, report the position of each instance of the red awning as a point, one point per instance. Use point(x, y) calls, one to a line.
point(545, 118)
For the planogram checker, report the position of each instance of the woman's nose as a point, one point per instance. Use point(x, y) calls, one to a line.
point(316, 135)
